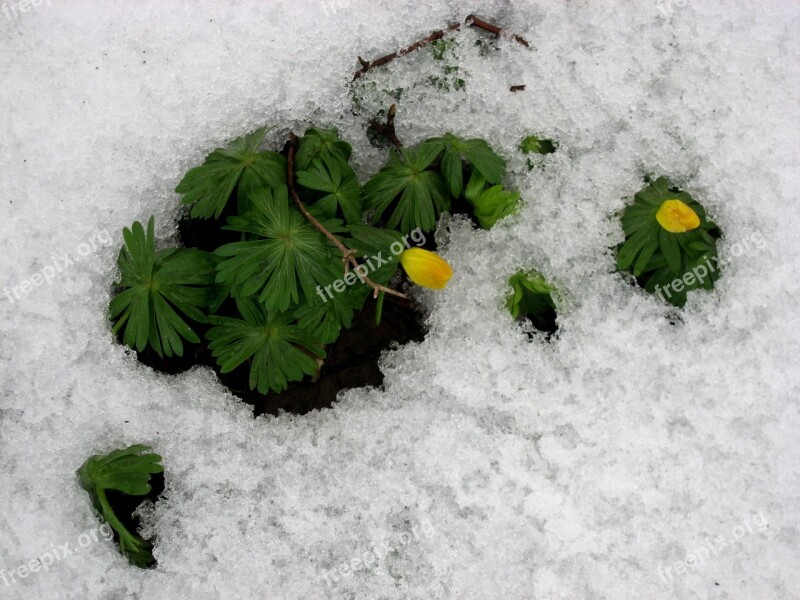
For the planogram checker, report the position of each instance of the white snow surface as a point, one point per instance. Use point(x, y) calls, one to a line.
point(631, 457)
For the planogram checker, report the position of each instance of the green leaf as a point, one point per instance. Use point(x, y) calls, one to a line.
point(418, 194)
point(494, 204)
point(127, 471)
point(630, 249)
point(332, 311)
point(643, 262)
point(157, 290)
point(210, 186)
point(321, 144)
point(278, 350)
point(286, 255)
point(535, 145)
point(475, 187)
point(339, 183)
point(375, 246)
point(670, 250)
point(479, 155)
point(452, 170)
point(531, 297)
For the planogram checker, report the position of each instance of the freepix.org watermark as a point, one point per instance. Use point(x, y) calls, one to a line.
point(56, 554)
point(376, 553)
point(697, 558)
point(699, 273)
point(13, 9)
point(362, 271)
point(56, 266)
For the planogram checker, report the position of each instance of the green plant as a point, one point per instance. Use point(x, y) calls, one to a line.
point(668, 239)
point(289, 264)
point(240, 166)
point(535, 145)
point(126, 471)
point(531, 298)
point(157, 290)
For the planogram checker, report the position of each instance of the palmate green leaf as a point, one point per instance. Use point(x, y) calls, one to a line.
point(277, 348)
point(325, 316)
point(477, 153)
point(661, 279)
point(321, 144)
point(338, 181)
point(494, 204)
point(286, 256)
point(376, 248)
point(127, 471)
point(419, 194)
point(158, 290)
point(209, 186)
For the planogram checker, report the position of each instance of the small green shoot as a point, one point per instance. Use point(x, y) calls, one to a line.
point(127, 471)
point(532, 298)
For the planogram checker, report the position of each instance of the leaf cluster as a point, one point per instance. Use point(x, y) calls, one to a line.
point(421, 182)
point(657, 257)
point(274, 294)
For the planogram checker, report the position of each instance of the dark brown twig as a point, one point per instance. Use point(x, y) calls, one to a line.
point(517, 88)
point(471, 21)
point(348, 255)
point(474, 21)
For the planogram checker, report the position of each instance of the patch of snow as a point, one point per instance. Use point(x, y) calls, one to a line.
point(489, 467)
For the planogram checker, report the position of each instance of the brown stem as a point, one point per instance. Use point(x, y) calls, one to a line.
point(348, 255)
point(471, 21)
point(474, 21)
point(387, 129)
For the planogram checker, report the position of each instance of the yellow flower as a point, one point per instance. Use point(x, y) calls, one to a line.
point(426, 268)
point(677, 217)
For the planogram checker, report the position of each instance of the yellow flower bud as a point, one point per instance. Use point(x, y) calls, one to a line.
point(676, 217)
point(426, 268)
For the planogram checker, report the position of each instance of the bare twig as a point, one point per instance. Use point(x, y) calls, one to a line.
point(348, 255)
point(474, 21)
point(517, 88)
point(471, 21)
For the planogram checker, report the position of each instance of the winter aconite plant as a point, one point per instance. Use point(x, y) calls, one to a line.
point(670, 245)
point(294, 248)
point(125, 471)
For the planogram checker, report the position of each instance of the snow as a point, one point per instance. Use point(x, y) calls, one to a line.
point(630, 458)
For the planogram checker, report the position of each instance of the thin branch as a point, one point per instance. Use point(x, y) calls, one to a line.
point(348, 255)
point(474, 21)
point(471, 21)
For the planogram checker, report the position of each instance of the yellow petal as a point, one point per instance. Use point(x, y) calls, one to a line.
point(677, 217)
point(426, 268)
